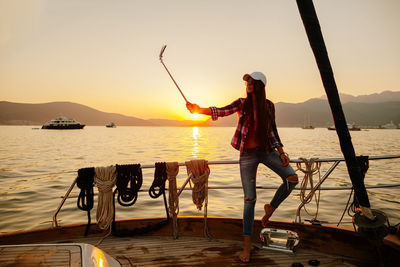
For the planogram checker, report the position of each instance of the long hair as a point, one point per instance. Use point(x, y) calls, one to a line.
point(260, 120)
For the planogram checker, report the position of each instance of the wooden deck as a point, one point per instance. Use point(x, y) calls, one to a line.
point(197, 251)
point(331, 246)
point(41, 256)
point(165, 251)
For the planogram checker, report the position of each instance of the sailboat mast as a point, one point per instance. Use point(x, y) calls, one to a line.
point(314, 34)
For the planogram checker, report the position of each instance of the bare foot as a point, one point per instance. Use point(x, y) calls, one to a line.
point(268, 213)
point(245, 254)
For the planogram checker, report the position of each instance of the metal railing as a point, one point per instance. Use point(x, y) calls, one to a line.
point(335, 161)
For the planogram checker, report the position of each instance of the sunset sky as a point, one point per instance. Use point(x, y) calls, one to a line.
point(104, 54)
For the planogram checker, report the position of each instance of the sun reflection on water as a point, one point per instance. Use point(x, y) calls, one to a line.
point(196, 135)
point(195, 132)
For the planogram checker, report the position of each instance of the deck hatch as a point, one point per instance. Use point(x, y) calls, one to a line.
point(279, 239)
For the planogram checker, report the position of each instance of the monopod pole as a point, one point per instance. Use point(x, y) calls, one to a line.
point(161, 54)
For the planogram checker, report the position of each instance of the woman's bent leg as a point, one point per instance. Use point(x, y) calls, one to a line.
point(289, 178)
point(284, 190)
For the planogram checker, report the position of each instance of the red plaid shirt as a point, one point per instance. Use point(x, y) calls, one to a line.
point(243, 125)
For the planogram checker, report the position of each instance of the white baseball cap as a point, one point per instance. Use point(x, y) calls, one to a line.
point(256, 76)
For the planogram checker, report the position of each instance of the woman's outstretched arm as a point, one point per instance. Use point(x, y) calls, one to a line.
point(215, 112)
point(194, 108)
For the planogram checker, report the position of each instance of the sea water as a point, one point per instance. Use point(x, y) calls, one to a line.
point(38, 166)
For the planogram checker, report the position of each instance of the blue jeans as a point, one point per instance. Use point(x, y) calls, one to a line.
point(249, 160)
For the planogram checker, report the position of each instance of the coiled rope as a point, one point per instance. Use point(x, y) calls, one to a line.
point(173, 200)
point(160, 177)
point(157, 188)
point(129, 181)
point(105, 178)
point(85, 181)
point(200, 173)
point(312, 167)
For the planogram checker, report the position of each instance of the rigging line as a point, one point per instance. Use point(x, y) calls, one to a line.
point(314, 34)
point(347, 205)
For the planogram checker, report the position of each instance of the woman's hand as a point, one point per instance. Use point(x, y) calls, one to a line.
point(193, 108)
point(284, 158)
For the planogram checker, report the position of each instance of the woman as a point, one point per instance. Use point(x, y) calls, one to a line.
point(257, 139)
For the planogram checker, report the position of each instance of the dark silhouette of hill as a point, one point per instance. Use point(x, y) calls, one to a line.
point(363, 114)
point(385, 96)
point(38, 114)
point(386, 108)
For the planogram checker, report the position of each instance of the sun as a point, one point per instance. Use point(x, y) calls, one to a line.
point(195, 116)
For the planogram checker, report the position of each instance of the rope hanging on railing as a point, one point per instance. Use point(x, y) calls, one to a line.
point(158, 186)
point(160, 177)
point(312, 167)
point(129, 181)
point(85, 182)
point(200, 173)
point(173, 200)
point(105, 178)
point(156, 189)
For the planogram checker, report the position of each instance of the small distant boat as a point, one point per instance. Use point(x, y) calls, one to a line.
point(390, 125)
point(62, 123)
point(353, 127)
point(350, 126)
point(307, 126)
point(111, 125)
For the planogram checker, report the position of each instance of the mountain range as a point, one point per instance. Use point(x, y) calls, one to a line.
point(365, 110)
point(385, 96)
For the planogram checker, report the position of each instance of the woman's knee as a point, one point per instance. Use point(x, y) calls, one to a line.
point(293, 179)
point(250, 201)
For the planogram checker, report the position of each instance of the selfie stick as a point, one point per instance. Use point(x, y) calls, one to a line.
point(161, 54)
